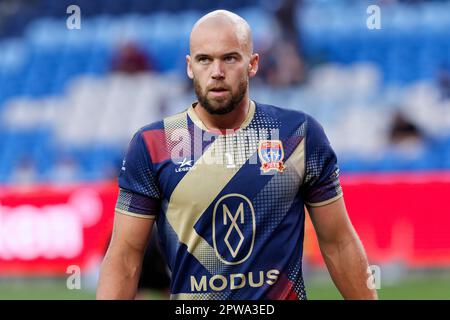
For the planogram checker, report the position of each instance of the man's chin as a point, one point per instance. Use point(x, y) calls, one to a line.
point(221, 99)
point(218, 108)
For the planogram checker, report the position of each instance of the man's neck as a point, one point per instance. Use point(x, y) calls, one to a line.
point(229, 121)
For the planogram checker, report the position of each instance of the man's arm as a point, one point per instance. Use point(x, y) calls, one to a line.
point(121, 267)
point(342, 250)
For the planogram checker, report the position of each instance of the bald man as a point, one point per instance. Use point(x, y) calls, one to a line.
point(227, 181)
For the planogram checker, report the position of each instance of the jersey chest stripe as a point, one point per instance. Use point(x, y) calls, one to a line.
point(297, 160)
point(199, 188)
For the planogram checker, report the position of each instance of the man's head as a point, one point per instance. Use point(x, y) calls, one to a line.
point(221, 60)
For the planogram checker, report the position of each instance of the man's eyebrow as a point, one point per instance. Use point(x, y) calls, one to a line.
point(234, 53)
point(204, 55)
point(201, 55)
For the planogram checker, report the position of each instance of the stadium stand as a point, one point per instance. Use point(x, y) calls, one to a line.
point(59, 96)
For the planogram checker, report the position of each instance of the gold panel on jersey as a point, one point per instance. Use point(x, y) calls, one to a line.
point(297, 159)
point(200, 187)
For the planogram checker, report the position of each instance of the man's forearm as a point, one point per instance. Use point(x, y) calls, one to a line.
point(348, 265)
point(118, 279)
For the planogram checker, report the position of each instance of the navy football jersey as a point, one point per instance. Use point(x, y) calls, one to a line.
point(230, 207)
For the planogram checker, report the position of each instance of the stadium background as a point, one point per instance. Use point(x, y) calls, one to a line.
point(70, 100)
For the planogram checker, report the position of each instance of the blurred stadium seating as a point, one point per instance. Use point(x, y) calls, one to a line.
point(53, 80)
point(62, 104)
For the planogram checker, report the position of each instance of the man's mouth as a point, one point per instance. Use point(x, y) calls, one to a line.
point(218, 92)
point(218, 89)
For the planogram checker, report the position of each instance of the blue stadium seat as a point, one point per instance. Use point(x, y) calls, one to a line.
point(403, 54)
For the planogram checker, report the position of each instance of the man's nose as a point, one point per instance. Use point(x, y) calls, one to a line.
point(217, 72)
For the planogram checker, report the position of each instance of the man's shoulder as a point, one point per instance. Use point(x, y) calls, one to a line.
point(161, 123)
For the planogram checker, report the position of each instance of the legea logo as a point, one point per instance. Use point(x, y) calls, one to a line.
point(234, 228)
point(185, 165)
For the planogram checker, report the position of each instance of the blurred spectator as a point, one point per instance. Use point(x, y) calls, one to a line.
point(403, 130)
point(131, 59)
point(282, 62)
point(25, 173)
point(405, 137)
point(286, 16)
point(444, 82)
point(283, 66)
point(65, 170)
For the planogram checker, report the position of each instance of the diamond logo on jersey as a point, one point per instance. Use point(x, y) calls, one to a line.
point(271, 154)
point(227, 216)
point(234, 228)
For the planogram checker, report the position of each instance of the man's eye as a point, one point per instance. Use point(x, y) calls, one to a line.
point(203, 60)
point(230, 59)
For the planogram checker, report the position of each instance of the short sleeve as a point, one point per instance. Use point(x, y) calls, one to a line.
point(139, 194)
point(321, 183)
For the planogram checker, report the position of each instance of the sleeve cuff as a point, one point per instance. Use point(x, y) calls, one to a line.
point(136, 215)
point(324, 203)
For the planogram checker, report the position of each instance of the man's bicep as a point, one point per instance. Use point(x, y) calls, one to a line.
point(131, 232)
point(331, 221)
point(134, 218)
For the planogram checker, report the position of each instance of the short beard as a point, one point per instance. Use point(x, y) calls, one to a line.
point(228, 107)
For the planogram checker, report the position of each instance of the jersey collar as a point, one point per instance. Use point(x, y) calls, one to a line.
point(199, 123)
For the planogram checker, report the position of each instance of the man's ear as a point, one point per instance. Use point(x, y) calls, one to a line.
point(189, 67)
point(253, 65)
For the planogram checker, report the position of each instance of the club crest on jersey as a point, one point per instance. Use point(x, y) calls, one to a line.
point(271, 154)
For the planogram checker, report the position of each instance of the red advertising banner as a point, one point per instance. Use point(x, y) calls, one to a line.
point(45, 229)
point(399, 217)
point(403, 218)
